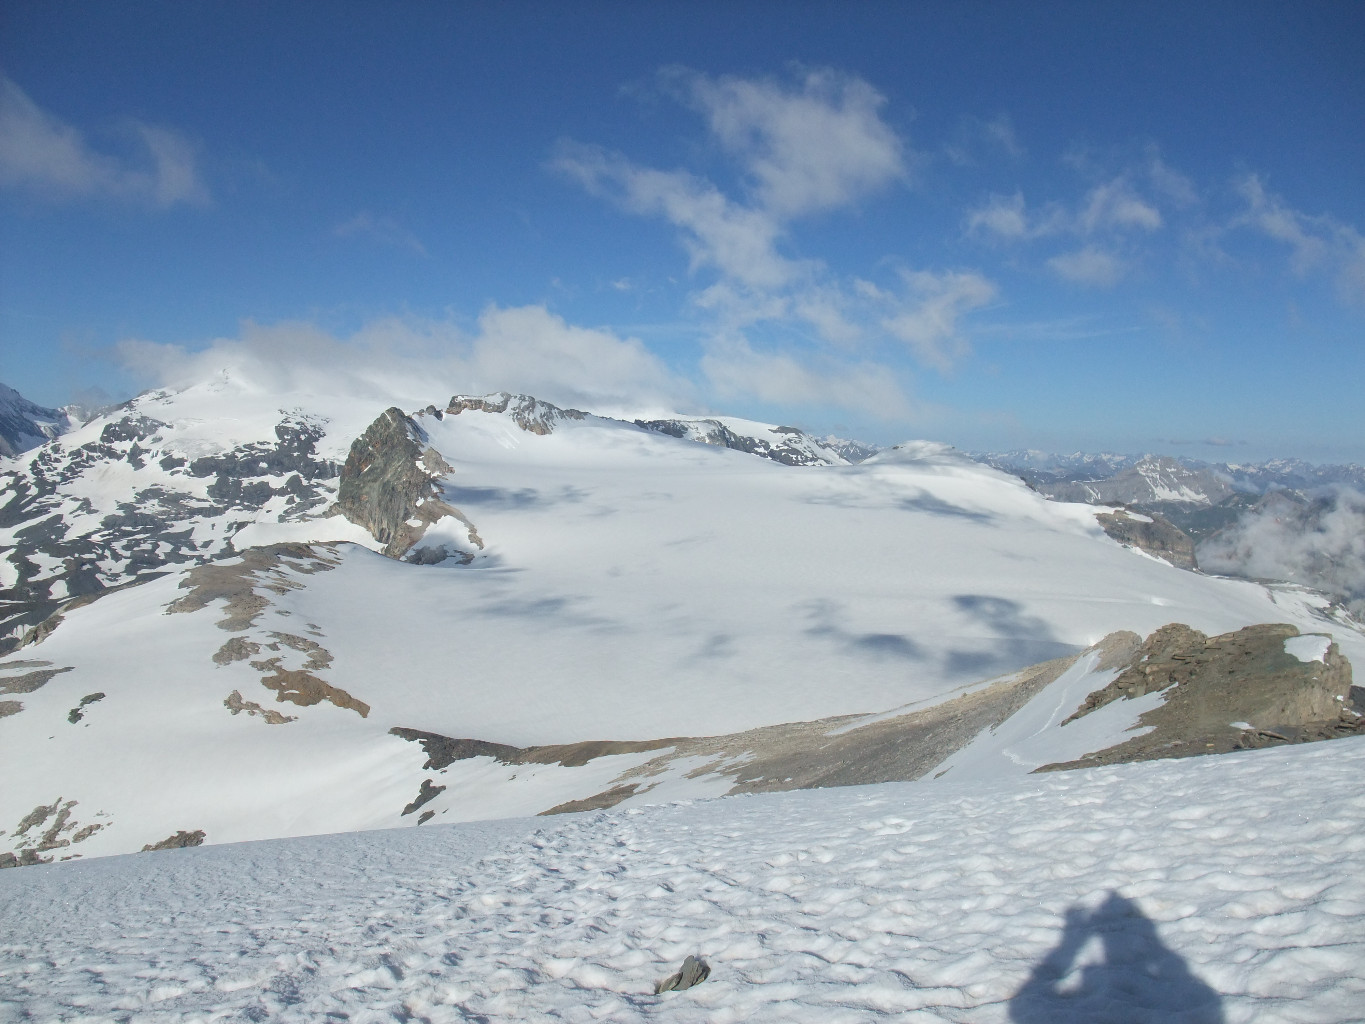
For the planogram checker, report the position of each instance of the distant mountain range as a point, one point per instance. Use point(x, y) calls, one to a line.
point(1145, 479)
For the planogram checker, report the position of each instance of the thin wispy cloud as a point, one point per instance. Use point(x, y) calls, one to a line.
point(1316, 243)
point(929, 323)
point(1090, 265)
point(384, 230)
point(979, 141)
point(1111, 207)
point(815, 144)
point(734, 369)
point(818, 146)
point(45, 155)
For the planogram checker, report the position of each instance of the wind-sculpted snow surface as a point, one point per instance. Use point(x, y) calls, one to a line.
point(1209, 891)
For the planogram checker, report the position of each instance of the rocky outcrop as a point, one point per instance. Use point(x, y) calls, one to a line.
point(242, 587)
point(1151, 533)
point(1228, 692)
point(530, 414)
point(387, 486)
point(179, 841)
point(848, 750)
point(787, 445)
point(44, 830)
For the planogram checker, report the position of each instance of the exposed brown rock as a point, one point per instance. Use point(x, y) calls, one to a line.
point(57, 824)
point(1210, 683)
point(443, 751)
point(800, 755)
point(236, 705)
point(235, 583)
point(178, 841)
point(239, 648)
point(301, 687)
point(598, 802)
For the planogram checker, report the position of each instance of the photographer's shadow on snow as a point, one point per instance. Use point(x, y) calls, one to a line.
point(1111, 965)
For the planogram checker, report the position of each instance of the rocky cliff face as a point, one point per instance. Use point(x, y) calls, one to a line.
point(1152, 533)
point(25, 425)
point(387, 487)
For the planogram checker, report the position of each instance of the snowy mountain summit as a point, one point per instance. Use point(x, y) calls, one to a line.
point(335, 610)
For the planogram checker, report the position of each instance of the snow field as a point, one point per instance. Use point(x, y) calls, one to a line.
point(1200, 890)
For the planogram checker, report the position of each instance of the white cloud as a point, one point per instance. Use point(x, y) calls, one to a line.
point(820, 145)
point(1108, 208)
point(1316, 242)
point(813, 145)
point(384, 230)
point(1000, 130)
point(735, 370)
point(529, 349)
point(736, 240)
point(1115, 205)
point(996, 134)
point(1002, 216)
point(929, 323)
point(42, 152)
point(1090, 266)
point(1169, 182)
point(416, 361)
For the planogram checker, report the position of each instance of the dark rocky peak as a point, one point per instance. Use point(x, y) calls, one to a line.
point(25, 425)
point(530, 414)
point(388, 486)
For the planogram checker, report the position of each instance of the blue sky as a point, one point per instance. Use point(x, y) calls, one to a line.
point(1068, 226)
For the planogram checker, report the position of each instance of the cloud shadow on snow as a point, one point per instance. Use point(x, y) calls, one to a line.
point(924, 502)
point(935, 506)
point(1016, 640)
point(1135, 978)
point(824, 616)
point(507, 498)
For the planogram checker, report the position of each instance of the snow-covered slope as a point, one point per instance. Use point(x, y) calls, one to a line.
point(614, 583)
point(1206, 891)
